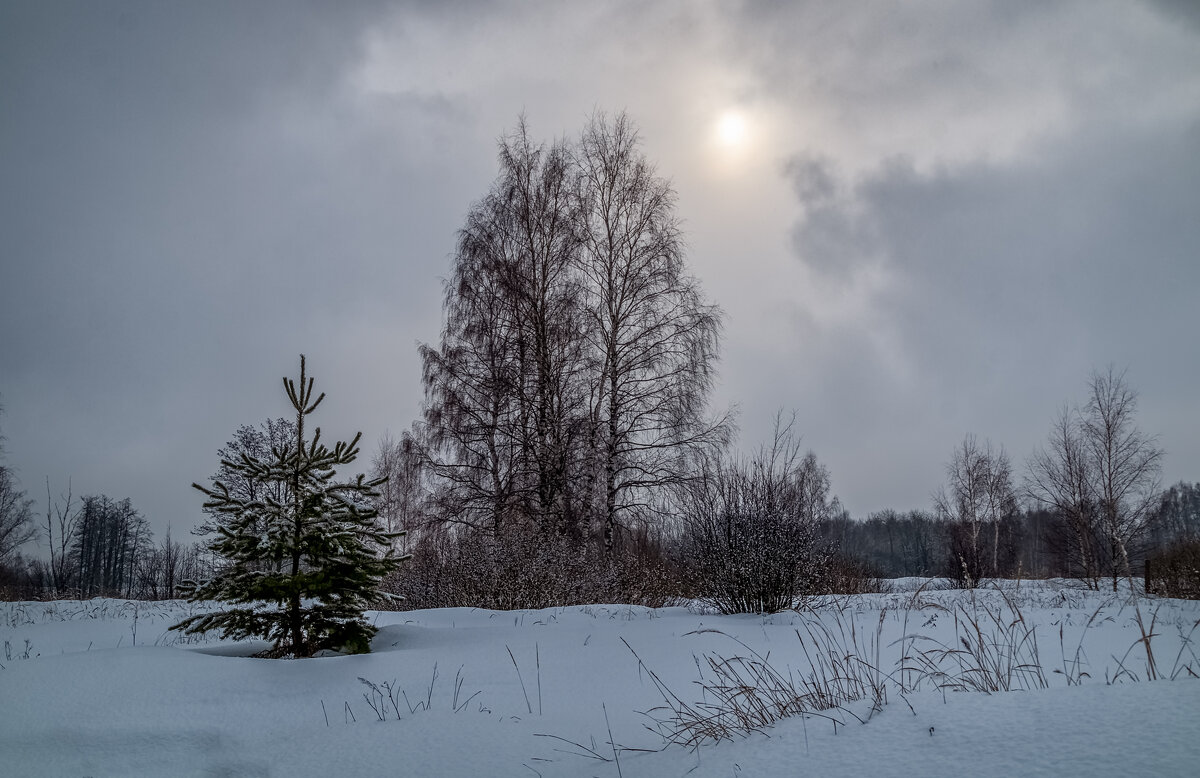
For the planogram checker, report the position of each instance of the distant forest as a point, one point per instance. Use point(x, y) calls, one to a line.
point(1035, 543)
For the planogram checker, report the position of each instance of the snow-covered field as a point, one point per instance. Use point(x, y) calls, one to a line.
point(101, 688)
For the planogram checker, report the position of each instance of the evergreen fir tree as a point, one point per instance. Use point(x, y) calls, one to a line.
point(317, 556)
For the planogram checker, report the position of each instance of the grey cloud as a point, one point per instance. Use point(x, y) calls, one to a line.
point(1183, 10)
point(833, 236)
point(192, 194)
point(188, 204)
point(813, 179)
point(1012, 283)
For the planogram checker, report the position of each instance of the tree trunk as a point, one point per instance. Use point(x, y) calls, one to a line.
point(297, 625)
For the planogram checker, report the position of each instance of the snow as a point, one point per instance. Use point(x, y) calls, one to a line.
point(539, 688)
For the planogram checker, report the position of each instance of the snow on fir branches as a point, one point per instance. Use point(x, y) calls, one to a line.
point(298, 571)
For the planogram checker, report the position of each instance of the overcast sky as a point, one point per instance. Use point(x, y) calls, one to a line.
point(937, 218)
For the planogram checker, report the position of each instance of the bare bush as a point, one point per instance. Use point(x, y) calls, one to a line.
point(749, 526)
point(530, 568)
point(1175, 572)
point(847, 575)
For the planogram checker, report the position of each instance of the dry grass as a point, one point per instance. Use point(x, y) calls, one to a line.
point(388, 695)
point(992, 651)
point(1186, 662)
point(746, 693)
point(991, 647)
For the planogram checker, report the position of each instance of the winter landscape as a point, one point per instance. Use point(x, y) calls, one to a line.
point(871, 684)
point(688, 388)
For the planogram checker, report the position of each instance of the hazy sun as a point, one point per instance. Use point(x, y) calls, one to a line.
point(731, 129)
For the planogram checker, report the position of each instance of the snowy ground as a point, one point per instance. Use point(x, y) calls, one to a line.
point(100, 688)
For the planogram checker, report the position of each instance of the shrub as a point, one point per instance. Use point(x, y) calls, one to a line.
point(1175, 572)
point(847, 575)
point(525, 567)
point(749, 527)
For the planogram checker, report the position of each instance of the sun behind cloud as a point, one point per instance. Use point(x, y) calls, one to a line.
point(732, 130)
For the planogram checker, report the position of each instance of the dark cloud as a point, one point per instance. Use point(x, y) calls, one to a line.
point(813, 178)
point(834, 237)
point(183, 212)
point(1182, 10)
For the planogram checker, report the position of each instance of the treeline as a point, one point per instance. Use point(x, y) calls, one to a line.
point(1037, 543)
point(1088, 505)
point(101, 547)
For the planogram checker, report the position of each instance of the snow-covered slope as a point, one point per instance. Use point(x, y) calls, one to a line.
point(102, 689)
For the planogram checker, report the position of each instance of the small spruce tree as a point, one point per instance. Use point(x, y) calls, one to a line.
point(317, 556)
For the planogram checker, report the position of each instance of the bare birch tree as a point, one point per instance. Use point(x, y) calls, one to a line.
point(16, 515)
point(400, 496)
point(252, 441)
point(62, 518)
point(652, 336)
point(1059, 479)
point(980, 500)
point(1126, 464)
point(575, 364)
point(111, 539)
point(1100, 475)
point(502, 388)
point(16, 510)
